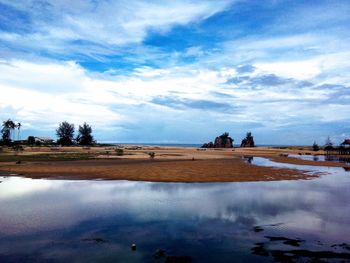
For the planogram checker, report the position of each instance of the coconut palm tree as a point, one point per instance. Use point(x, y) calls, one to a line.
point(19, 125)
point(7, 128)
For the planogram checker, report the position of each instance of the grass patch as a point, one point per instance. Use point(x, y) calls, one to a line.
point(48, 157)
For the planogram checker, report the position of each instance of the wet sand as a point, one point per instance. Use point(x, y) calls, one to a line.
point(215, 170)
point(171, 164)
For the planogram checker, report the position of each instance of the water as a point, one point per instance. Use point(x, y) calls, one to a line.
point(191, 145)
point(322, 158)
point(97, 221)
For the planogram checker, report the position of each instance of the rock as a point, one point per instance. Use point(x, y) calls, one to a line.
point(248, 141)
point(133, 247)
point(222, 141)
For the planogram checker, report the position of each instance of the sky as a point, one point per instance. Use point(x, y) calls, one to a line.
point(178, 71)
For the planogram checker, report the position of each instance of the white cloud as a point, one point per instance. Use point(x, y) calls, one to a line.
point(55, 24)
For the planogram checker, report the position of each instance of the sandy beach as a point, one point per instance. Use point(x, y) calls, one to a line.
point(171, 164)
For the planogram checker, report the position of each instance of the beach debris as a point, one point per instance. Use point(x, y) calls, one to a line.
point(133, 247)
point(193, 158)
point(160, 253)
point(19, 162)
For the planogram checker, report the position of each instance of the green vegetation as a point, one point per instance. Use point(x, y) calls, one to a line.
point(31, 140)
point(84, 137)
point(7, 131)
point(315, 147)
point(328, 144)
point(65, 133)
point(48, 157)
point(119, 152)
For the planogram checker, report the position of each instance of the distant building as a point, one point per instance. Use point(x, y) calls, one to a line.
point(44, 140)
point(345, 142)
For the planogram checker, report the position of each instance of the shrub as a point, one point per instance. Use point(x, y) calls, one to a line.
point(152, 155)
point(315, 147)
point(119, 152)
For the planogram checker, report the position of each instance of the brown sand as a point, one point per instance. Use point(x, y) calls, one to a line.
point(171, 164)
point(211, 170)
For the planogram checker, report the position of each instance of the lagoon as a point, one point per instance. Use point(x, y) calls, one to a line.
point(97, 221)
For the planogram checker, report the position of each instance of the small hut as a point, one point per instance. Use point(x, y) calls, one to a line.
point(345, 147)
point(345, 142)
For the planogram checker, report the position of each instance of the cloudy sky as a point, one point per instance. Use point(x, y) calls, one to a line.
point(178, 71)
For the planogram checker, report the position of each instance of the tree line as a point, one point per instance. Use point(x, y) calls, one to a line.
point(65, 134)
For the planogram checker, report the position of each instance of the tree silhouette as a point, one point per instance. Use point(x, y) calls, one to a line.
point(31, 140)
point(328, 144)
point(19, 125)
point(65, 133)
point(315, 147)
point(84, 137)
point(6, 131)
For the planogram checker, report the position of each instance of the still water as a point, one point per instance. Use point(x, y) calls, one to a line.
point(322, 158)
point(97, 221)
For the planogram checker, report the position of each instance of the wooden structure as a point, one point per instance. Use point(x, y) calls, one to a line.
point(343, 149)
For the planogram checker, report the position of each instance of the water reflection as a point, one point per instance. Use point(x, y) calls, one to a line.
point(97, 221)
point(322, 158)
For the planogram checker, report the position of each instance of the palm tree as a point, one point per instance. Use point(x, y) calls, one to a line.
point(19, 125)
point(7, 128)
point(12, 127)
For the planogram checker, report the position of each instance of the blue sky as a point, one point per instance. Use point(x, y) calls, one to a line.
point(178, 71)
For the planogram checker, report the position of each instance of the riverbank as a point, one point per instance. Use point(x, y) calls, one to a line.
point(170, 164)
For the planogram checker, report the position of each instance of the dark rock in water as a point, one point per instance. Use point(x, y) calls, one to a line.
point(133, 247)
point(178, 259)
point(347, 169)
point(160, 253)
point(258, 229)
point(248, 141)
point(286, 241)
point(343, 245)
point(222, 141)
